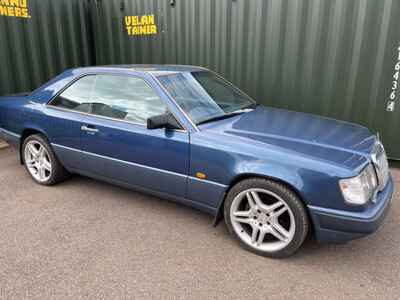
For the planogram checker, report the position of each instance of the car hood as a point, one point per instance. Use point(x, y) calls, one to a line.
point(327, 139)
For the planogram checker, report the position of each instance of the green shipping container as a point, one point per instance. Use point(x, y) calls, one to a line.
point(41, 38)
point(337, 58)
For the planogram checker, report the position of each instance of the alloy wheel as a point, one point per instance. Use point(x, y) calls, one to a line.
point(262, 220)
point(37, 160)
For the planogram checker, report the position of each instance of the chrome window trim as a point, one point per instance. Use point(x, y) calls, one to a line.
point(139, 165)
point(50, 105)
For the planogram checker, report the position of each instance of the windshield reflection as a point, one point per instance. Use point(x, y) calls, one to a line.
point(204, 95)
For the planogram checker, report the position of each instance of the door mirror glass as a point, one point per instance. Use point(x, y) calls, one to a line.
point(166, 120)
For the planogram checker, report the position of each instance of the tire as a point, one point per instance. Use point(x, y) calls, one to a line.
point(41, 162)
point(266, 217)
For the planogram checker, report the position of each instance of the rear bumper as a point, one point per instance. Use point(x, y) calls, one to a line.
point(336, 226)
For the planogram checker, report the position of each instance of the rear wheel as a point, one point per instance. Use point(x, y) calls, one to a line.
point(41, 162)
point(266, 217)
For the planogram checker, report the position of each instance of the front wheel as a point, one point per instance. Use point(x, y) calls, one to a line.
point(41, 162)
point(266, 217)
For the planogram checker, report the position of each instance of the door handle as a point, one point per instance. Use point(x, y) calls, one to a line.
point(89, 129)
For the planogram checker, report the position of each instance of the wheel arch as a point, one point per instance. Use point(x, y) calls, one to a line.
point(240, 177)
point(28, 131)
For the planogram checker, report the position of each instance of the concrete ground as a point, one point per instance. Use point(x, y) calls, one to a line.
point(88, 239)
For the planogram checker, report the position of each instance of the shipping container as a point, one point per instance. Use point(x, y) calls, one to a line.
point(41, 38)
point(337, 58)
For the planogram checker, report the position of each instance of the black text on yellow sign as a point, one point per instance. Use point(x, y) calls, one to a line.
point(14, 8)
point(140, 25)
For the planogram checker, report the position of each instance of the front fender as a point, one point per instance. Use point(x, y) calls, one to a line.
point(289, 175)
point(313, 187)
point(285, 175)
point(315, 183)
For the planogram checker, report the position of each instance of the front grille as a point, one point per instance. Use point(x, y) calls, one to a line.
point(381, 165)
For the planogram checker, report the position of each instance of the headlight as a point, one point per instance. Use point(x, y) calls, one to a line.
point(358, 190)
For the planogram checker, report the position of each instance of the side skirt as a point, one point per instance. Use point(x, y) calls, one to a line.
point(199, 206)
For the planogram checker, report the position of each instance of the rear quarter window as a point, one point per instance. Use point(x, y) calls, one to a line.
point(77, 96)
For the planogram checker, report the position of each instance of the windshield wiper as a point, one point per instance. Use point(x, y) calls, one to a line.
point(226, 116)
point(231, 114)
point(252, 106)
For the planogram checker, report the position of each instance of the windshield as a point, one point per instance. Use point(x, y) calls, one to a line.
point(204, 95)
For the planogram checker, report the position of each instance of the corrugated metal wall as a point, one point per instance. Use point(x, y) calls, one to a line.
point(330, 57)
point(54, 38)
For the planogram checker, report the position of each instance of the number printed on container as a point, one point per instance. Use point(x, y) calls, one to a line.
point(395, 83)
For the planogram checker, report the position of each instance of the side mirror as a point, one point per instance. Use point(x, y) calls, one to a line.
point(166, 120)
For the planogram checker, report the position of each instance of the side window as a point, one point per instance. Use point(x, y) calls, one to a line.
point(77, 96)
point(125, 98)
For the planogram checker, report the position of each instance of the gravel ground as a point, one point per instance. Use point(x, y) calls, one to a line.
point(88, 239)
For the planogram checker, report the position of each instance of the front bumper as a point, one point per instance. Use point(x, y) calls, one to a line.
point(339, 226)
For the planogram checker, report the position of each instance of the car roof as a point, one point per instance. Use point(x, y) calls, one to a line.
point(147, 68)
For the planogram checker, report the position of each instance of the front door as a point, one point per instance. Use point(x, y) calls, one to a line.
point(117, 146)
point(62, 120)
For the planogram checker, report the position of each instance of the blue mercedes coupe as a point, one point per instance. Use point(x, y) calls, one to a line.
point(186, 134)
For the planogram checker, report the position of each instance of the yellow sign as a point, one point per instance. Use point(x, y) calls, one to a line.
point(14, 8)
point(140, 25)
